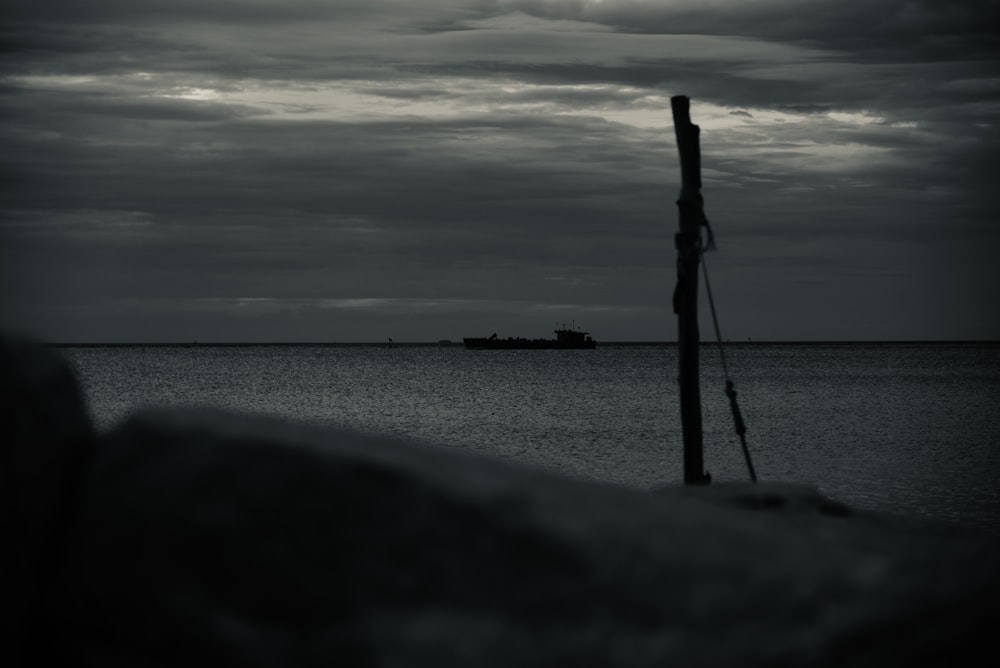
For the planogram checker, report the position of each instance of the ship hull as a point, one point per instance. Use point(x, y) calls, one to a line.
point(527, 344)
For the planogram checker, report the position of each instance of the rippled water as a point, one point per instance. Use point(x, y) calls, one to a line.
point(910, 428)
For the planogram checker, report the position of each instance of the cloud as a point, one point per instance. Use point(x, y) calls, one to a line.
point(518, 155)
point(880, 30)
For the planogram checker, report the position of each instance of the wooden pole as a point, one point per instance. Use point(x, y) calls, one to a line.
point(687, 242)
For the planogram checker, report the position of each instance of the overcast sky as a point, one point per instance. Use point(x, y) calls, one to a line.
point(307, 170)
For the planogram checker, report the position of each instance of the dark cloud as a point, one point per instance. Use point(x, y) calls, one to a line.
point(307, 170)
point(883, 30)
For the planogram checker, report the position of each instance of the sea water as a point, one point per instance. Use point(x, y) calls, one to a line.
point(910, 428)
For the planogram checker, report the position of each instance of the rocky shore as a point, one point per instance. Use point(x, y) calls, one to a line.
point(185, 537)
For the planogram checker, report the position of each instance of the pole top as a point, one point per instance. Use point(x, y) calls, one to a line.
point(681, 107)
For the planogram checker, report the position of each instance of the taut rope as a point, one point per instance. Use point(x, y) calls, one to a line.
point(741, 428)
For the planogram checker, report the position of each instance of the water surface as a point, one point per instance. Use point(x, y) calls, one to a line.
point(898, 427)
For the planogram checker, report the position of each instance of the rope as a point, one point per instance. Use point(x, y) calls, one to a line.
point(741, 428)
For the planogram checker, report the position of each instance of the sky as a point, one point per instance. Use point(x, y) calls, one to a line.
point(306, 170)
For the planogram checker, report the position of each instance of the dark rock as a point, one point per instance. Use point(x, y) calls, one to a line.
point(46, 439)
point(766, 496)
point(207, 538)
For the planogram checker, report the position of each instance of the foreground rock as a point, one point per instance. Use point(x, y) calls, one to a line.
point(45, 441)
point(205, 538)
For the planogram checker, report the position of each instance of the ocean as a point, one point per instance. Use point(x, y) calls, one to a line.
point(903, 428)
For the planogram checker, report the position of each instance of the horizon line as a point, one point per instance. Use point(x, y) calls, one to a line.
point(449, 342)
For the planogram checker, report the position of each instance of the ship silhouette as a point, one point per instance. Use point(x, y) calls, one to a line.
point(565, 339)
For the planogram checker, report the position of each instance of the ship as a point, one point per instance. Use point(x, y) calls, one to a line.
point(566, 339)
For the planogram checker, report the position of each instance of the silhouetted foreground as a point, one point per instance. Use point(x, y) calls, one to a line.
point(201, 538)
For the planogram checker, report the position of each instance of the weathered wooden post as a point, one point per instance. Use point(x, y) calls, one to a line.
point(686, 293)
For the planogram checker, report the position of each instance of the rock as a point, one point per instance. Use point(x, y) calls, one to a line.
point(46, 439)
point(766, 496)
point(210, 538)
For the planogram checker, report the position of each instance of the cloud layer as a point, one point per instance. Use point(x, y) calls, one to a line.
point(351, 170)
